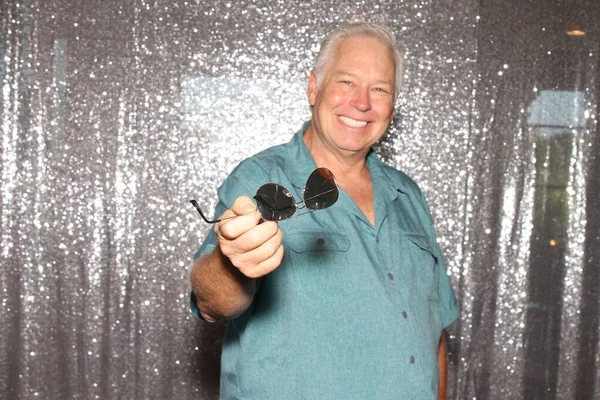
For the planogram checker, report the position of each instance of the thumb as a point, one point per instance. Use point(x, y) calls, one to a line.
point(243, 205)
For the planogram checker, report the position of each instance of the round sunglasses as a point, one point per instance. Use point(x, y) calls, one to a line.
point(276, 203)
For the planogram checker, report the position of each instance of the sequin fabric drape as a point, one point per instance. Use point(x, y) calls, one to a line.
point(114, 114)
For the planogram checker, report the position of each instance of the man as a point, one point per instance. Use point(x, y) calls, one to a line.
point(344, 303)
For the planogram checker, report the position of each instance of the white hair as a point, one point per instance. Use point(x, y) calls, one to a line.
point(369, 29)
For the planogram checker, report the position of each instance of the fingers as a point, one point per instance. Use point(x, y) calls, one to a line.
point(254, 248)
point(265, 267)
point(257, 253)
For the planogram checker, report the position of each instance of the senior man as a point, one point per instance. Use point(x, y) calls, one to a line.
point(350, 302)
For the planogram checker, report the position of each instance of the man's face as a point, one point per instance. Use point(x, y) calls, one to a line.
point(355, 103)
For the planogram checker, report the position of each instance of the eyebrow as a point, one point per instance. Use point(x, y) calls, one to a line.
point(353, 75)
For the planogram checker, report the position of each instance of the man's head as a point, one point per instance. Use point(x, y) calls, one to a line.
point(380, 32)
point(352, 89)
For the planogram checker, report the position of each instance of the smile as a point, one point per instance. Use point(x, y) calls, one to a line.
point(352, 122)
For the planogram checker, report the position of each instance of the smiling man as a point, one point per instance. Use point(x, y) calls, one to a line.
point(344, 303)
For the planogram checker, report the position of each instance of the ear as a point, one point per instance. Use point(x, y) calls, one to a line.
point(393, 114)
point(312, 90)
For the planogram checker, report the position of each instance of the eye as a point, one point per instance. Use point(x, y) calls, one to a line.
point(383, 91)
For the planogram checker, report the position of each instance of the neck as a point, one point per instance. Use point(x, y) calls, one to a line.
point(342, 163)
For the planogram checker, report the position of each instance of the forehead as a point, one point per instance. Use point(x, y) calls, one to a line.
point(362, 54)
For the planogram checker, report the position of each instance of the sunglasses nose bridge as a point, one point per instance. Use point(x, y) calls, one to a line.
point(276, 203)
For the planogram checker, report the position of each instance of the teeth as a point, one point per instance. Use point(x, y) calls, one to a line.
point(352, 122)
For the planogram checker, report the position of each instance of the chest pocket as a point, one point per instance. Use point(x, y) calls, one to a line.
point(420, 264)
point(316, 247)
point(309, 241)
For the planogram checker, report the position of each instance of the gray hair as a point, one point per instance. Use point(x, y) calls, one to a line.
point(369, 29)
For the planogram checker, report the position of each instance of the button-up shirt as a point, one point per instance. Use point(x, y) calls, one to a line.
point(354, 311)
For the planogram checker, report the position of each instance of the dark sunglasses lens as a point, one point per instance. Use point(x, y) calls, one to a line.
point(321, 190)
point(274, 202)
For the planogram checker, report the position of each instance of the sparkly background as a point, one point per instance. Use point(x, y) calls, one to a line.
point(115, 113)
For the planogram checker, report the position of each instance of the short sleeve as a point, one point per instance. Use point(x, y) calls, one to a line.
point(194, 306)
point(448, 306)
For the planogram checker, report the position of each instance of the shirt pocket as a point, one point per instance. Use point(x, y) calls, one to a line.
point(422, 264)
point(316, 241)
point(317, 247)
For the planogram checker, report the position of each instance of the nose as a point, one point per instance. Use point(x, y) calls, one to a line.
point(360, 100)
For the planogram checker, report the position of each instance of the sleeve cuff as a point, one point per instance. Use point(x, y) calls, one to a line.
point(450, 315)
point(194, 306)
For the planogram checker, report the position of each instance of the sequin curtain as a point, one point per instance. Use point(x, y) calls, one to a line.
point(115, 113)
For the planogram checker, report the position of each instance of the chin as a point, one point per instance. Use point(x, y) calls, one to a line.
point(353, 146)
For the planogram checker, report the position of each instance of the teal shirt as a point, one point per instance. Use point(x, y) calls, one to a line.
point(354, 311)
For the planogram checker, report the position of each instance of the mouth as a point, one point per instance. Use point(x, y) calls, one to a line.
point(352, 122)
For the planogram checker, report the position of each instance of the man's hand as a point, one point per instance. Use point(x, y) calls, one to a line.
point(224, 279)
point(254, 247)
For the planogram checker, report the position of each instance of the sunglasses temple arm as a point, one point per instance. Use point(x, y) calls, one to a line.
point(195, 204)
point(317, 195)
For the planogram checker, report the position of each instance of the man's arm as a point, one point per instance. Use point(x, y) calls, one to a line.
point(443, 367)
point(224, 281)
point(221, 290)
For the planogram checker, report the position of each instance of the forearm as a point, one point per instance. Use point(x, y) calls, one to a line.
point(221, 290)
point(443, 368)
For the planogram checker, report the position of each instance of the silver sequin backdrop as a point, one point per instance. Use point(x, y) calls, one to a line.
point(115, 113)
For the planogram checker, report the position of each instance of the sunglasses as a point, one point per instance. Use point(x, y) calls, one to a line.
point(276, 203)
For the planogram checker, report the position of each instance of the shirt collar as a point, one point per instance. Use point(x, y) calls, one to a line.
point(300, 164)
point(381, 172)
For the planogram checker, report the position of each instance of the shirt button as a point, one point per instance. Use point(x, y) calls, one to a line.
point(404, 314)
point(412, 359)
point(320, 241)
point(391, 276)
point(377, 239)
